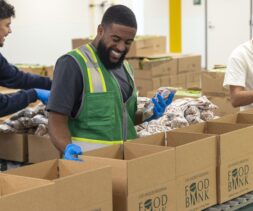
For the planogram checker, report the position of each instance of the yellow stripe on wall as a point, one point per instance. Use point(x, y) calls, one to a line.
point(175, 26)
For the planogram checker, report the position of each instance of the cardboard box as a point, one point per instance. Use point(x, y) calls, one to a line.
point(13, 147)
point(235, 157)
point(148, 68)
point(195, 167)
point(77, 42)
point(33, 68)
point(212, 83)
point(224, 105)
point(26, 194)
point(79, 186)
point(143, 176)
point(147, 45)
point(41, 149)
point(144, 86)
point(188, 62)
point(237, 118)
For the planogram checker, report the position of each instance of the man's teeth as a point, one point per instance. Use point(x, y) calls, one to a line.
point(117, 54)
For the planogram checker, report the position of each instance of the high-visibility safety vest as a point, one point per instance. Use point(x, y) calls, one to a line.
point(103, 117)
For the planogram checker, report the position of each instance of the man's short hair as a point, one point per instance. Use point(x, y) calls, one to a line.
point(119, 14)
point(6, 10)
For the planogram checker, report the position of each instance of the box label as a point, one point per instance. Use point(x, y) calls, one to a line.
point(238, 177)
point(155, 200)
point(198, 191)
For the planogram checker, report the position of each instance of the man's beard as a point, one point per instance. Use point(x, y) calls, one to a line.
point(104, 55)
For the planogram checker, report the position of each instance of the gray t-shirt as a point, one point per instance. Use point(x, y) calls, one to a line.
point(67, 87)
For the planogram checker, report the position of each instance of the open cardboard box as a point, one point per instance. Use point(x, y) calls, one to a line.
point(195, 167)
point(235, 156)
point(19, 193)
point(143, 176)
point(79, 185)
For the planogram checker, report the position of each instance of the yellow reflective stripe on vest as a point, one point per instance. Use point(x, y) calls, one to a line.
point(96, 141)
point(88, 70)
point(99, 69)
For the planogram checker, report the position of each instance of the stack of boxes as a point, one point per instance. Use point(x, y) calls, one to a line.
point(154, 68)
point(212, 87)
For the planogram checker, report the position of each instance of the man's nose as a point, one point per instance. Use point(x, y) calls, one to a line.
point(121, 46)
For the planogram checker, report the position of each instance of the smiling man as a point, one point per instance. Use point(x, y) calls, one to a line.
point(11, 77)
point(93, 98)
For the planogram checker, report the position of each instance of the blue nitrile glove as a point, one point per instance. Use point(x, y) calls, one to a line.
point(72, 151)
point(160, 106)
point(42, 95)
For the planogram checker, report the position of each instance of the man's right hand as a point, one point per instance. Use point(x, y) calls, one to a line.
point(72, 151)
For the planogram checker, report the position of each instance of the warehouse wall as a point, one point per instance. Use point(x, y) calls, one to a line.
point(42, 30)
point(193, 28)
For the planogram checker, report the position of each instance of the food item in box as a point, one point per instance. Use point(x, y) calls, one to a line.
point(29, 120)
point(180, 113)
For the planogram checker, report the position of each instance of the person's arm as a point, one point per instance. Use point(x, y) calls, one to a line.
point(12, 103)
point(58, 130)
point(64, 100)
point(240, 96)
point(12, 77)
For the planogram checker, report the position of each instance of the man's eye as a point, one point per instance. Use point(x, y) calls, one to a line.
point(129, 42)
point(115, 40)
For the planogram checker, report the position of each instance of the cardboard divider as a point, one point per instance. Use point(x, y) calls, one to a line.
point(143, 175)
point(19, 193)
point(234, 156)
point(78, 185)
point(195, 167)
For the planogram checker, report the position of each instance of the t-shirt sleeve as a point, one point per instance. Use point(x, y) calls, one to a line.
point(236, 71)
point(66, 88)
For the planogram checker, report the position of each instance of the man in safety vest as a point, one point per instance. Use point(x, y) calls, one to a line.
point(33, 86)
point(93, 99)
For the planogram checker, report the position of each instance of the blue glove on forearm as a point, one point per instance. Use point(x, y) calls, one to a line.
point(42, 95)
point(72, 151)
point(160, 106)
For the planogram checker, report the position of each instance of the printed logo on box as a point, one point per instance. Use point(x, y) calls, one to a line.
point(238, 177)
point(155, 200)
point(158, 203)
point(197, 192)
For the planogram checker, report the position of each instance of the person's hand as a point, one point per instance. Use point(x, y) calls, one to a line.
point(72, 151)
point(160, 105)
point(42, 95)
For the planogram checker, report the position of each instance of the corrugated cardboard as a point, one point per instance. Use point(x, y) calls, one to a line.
point(149, 68)
point(26, 194)
point(41, 149)
point(195, 167)
point(235, 157)
point(144, 86)
point(77, 42)
point(147, 45)
point(13, 147)
point(224, 105)
point(79, 185)
point(212, 83)
point(143, 176)
point(188, 62)
point(238, 118)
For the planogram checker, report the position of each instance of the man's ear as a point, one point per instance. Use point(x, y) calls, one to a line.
point(100, 30)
